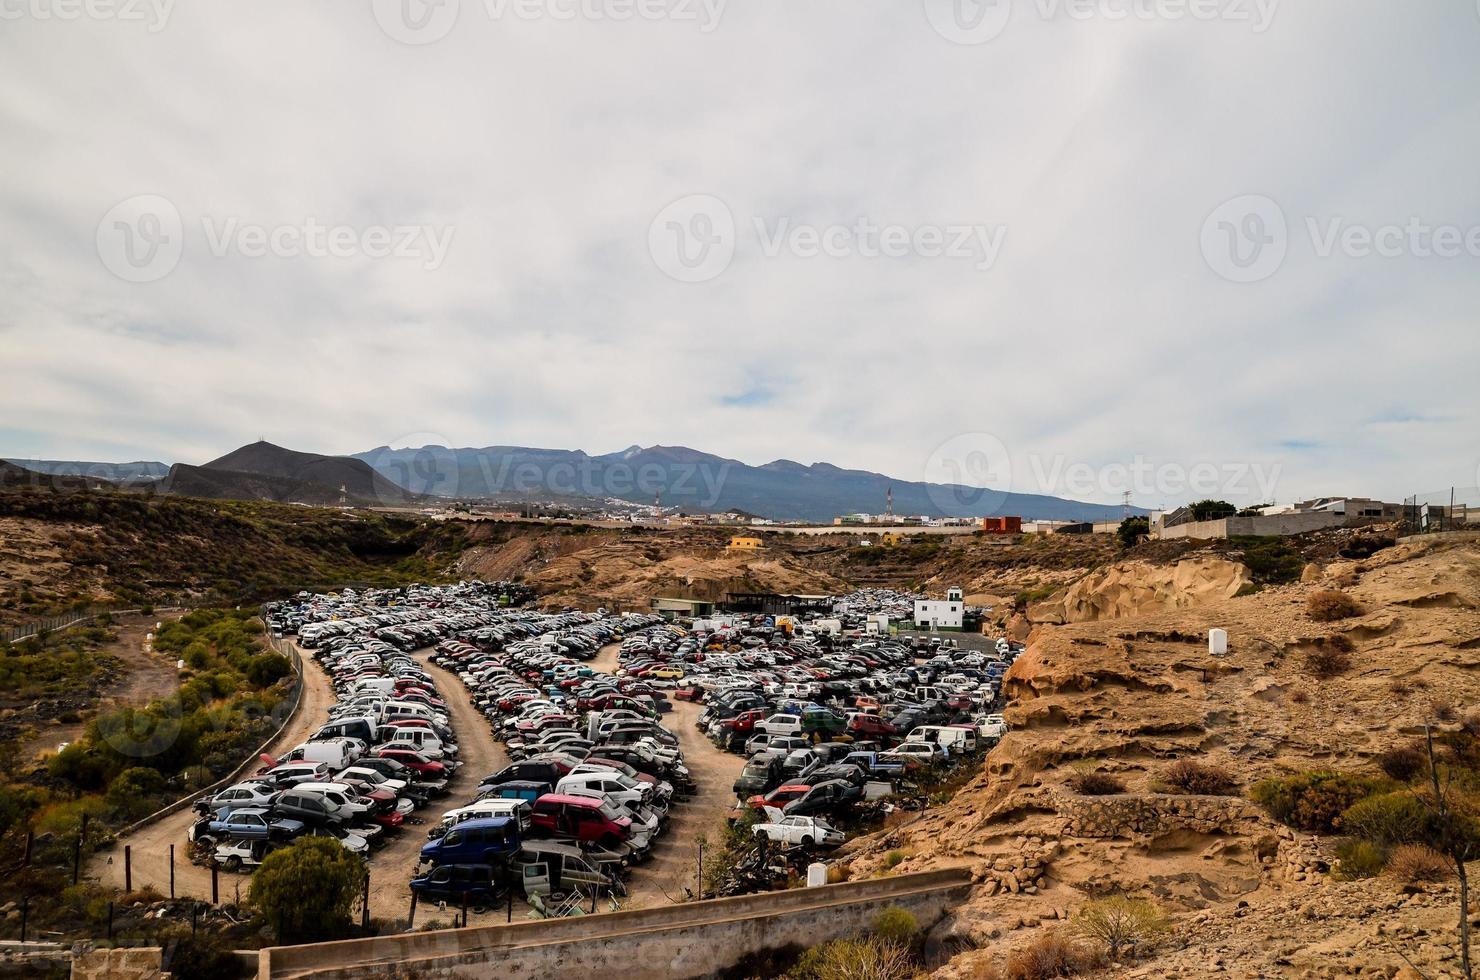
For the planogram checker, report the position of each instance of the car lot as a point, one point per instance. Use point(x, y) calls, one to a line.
point(584, 726)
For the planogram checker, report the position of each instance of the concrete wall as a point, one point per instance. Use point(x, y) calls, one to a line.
point(1259, 526)
point(678, 941)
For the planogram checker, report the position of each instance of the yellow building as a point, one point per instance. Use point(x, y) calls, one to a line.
point(742, 543)
point(891, 539)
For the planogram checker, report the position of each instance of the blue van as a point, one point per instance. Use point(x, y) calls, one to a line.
point(486, 841)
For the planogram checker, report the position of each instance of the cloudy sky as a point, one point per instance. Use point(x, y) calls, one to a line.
point(1078, 239)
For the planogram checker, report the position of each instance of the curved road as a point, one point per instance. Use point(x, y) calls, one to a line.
point(391, 866)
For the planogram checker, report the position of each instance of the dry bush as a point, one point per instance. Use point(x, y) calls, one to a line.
point(861, 959)
point(1399, 687)
point(1187, 776)
point(1443, 711)
point(1340, 641)
point(1300, 697)
point(1414, 863)
point(1052, 954)
point(1325, 661)
point(1403, 762)
point(1330, 604)
point(1121, 924)
point(1096, 784)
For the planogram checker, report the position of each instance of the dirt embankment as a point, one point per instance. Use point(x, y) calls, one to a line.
point(1129, 696)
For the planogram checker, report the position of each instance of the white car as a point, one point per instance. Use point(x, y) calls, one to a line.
point(991, 726)
point(805, 831)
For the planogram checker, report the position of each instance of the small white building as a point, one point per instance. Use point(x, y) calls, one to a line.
point(936, 614)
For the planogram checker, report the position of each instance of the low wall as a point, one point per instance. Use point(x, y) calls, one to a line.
point(1263, 526)
point(677, 941)
point(1152, 815)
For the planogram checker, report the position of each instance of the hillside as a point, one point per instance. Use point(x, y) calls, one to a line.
point(1128, 696)
point(288, 475)
point(699, 481)
point(63, 549)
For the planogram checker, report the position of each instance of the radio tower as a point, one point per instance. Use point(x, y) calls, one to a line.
point(658, 501)
point(1125, 504)
point(889, 501)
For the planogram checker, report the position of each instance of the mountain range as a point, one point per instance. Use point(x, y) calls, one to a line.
point(677, 476)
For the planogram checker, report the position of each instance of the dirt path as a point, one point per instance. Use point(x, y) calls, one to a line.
point(150, 845)
point(394, 865)
point(143, 677)
point(674, 864)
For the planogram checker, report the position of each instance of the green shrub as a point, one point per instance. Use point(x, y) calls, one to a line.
point(854, 959)
point(1314, 801)
point(134, 793)
point(1387, 819)
point(307, 890)
point(896, 925)
point(202, 956)
point(893, 859)
point(1359, 859)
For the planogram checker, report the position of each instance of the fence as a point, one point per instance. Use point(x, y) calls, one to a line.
point(1454, 509)
point(76, 617)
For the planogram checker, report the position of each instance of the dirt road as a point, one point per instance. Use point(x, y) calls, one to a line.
point(663, 878)
point(393, 866)
point(143, 677)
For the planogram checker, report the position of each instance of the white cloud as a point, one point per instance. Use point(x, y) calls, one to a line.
point(550, 145)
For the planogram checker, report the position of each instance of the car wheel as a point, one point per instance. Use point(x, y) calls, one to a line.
point(233, 864)
point(806, 841)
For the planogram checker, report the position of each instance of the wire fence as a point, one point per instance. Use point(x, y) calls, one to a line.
point(1452, 509)
point(66, 620)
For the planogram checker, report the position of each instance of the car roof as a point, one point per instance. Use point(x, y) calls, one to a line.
point(585, 801)
point(482, 822)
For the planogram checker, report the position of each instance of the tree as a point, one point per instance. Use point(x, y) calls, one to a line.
point(1132, 529)
point(1454, 831)
point(1212, 510)
point(307, 890)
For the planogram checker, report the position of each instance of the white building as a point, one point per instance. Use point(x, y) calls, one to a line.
point(936, 614)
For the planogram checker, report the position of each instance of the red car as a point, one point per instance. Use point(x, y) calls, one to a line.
point(579, 818)
point(873, 725)
point(780, 796)
point(415, 761)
